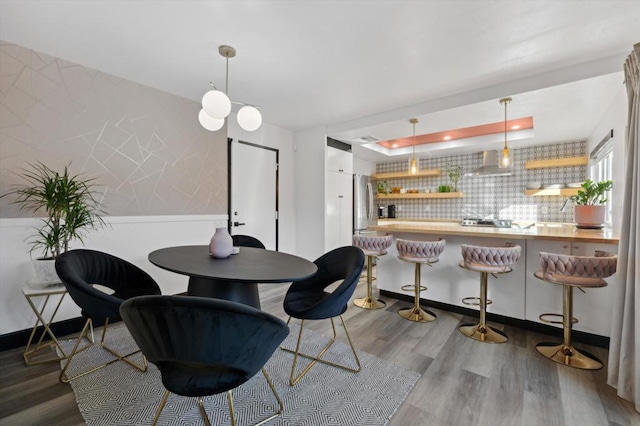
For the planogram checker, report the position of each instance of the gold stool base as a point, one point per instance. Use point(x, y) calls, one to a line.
point(417, 314)
point(483, 334)
point(569, 355)
point(369, 303)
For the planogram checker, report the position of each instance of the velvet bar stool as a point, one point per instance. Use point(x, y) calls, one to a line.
point(419, 253)
point(372, 246)
point(569, 272)
point(486, 260)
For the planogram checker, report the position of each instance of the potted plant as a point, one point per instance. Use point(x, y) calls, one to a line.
point(454, 171)
point(70, 207)
point(590, 210)
point(383, 187)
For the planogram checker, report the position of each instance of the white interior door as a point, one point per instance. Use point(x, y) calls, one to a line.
point(254, 184)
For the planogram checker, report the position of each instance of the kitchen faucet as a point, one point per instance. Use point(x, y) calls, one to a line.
point(564, 206)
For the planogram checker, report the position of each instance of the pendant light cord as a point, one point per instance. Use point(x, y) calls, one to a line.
point(505, 123)
point(226, 90)
point(414, 138)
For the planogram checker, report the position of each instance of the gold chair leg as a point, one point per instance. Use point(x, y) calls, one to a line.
point(481, 331)
point(416, 313)
point(369, 302)
point(120, 357)
point(160, 408)
point(566, 353)
point(232, 411)
point(318, 358)
point(275, 394)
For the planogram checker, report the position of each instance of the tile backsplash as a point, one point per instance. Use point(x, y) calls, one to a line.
point(500, 197)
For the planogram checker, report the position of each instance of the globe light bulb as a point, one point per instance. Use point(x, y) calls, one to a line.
point(249, 118)
point(210, 123)
point(216, 104)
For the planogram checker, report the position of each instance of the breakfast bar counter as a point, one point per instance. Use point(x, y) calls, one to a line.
point(518, 295)
point(520, 230)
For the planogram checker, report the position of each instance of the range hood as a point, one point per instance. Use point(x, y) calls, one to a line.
point(490, 161)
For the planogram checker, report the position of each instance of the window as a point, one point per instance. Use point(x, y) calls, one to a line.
point(602, 167)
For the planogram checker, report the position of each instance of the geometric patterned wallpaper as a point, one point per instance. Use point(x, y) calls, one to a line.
point(498, 197)
point(145, 147)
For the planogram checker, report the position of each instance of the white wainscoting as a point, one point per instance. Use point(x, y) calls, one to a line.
point(129, 237)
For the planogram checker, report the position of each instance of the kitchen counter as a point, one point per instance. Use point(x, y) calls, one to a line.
point(521, 230)
point(519, 294)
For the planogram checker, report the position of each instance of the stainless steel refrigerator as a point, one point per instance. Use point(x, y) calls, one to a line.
point(364, 211)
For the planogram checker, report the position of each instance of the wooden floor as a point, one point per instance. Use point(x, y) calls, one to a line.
point(463, 382)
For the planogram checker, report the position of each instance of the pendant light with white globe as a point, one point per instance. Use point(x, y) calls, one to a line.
point(216, 105)
point(210, 123)
point(249, 118)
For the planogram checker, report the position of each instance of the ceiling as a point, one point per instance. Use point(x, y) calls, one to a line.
point(357, 68)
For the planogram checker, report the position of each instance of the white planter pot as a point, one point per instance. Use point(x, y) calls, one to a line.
point(45, 271)
point(590, 217)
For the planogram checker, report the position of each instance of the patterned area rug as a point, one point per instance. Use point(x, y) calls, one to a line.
point(121, 395)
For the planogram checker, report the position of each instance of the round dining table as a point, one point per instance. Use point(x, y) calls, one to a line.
point(233, 278)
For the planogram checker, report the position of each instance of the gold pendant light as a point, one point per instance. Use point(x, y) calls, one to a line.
point(505, 161)
point(414, 164)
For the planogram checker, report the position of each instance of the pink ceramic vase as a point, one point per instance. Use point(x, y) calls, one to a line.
point(221, 244)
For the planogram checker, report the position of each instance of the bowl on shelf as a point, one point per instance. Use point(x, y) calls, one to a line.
point(575, 185)
point(534, 185)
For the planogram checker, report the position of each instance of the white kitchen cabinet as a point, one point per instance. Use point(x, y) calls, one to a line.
point(338, 225)
point(592, 308)
point(339, 161)
point(448, 283)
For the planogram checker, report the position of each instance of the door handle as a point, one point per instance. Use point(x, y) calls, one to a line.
point(238, 224)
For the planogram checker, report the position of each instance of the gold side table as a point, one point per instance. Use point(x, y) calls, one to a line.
point(33, 290)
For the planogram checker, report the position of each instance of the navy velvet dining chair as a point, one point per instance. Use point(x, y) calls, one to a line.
point(309, 300)
point(204, 346)
point(246, 241)
point(79, 270)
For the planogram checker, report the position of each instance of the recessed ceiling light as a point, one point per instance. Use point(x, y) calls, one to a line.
point(516, 127)
point(447, 138)
point(395, 145)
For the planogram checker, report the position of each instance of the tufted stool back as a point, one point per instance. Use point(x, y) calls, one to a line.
point(420, 251)
point(372, 245)
point(582, 271)
point(490, 259)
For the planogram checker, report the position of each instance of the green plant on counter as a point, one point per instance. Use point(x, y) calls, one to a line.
point(454, 171)
point(592, 193)
point(66, 199)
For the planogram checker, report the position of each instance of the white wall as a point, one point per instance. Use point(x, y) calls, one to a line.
point(614, 118)
point(363, 167)
point(309, 192)
point(281, 139)
point(129, 237)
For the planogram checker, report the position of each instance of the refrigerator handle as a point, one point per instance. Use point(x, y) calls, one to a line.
point(370, 194)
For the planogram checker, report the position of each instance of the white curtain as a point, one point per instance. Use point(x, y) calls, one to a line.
point(624, 351)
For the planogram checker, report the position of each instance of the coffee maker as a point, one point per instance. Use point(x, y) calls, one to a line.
point(391, 211)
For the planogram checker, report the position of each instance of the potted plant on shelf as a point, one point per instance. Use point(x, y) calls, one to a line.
point(383, 187)
point(70, 207)
point(589, 210)
point(454, 171)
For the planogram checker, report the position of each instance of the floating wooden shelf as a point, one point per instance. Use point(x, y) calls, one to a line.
point(565, 192)
point(421, 173)
point(422, 195)
point(558, 162)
